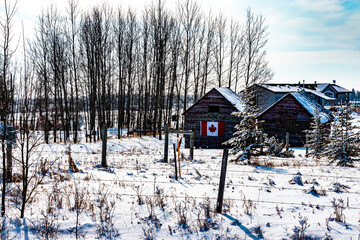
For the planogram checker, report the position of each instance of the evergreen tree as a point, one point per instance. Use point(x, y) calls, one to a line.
point(246, 139)
point(317, 136)
point(343, 141)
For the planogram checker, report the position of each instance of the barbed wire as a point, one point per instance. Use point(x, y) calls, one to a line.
point(231, 199)
point(202, 184)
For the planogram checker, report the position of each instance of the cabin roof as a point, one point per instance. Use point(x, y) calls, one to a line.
point(289, 89)
point(308, 104)
point(320, 87)
point(313, 107)
point(232, 97)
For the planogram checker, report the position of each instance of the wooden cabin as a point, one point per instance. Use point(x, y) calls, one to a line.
point(211, 118)
point(293, 113)
point(325, 94)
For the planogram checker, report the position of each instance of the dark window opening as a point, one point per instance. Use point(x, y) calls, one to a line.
point(214, 109)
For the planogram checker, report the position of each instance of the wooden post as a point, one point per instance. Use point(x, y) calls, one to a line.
point(192, 140)
point(103, 152)
point(307, 146)
point(178, 148)
point(166, 148)
point(222, 181)
point(175, 162)
point(287, 141)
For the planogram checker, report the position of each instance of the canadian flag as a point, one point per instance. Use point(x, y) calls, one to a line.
point(212, 128)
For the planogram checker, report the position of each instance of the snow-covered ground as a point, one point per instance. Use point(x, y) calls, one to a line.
point(266, 201)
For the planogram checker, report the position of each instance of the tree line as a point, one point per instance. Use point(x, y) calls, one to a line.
point(128, 69)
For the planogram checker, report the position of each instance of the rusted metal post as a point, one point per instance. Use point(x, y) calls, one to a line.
point(222, 181)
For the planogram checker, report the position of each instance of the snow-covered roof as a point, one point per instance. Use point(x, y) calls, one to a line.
point(232, 97)
point(321, 86)
point(289, 89)
point(340, 89)
point(319, 94)
point(281, 88)
point(312, 107)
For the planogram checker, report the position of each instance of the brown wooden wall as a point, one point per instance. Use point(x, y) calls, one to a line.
point(288, 115)
point(199, 112)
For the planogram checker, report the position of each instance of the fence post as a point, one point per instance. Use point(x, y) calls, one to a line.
point(222, 181)
point(287, 141)
point(175, 162)
point(178, 148)
point(192, 140)
point(103, 152)
point(166, 148)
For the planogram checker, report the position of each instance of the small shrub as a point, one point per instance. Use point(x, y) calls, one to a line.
point(248, 206)
point(316, 190)
point(138, 190)
point(299, 232)
point(227, 205)
point(182, 214)
point(339, 188)
point(258, 231)
point(47, 225)
point(148, 232)
point(296, 180)
point(106, 206)
point(278, 210)
point(160, 198)
point(339, 207)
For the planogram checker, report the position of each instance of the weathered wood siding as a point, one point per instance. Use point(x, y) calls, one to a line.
point(287, 115)
point(265, 98)
point(200, 112)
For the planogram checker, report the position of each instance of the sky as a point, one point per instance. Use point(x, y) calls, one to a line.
point(311, 40)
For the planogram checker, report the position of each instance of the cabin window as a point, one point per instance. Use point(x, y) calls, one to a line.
point(214, 109)
point(330, 94)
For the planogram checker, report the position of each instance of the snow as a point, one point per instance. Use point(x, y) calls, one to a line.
point(232, 97)
point(312, 107)
point(254, 195)
point(288, 89)
point(341, 89)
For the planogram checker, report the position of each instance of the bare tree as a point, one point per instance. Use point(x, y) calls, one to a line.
point(28, 142)
point(208, 53)
point(72, 35)
point(188, 14)
point(220, 48)
point(235, 40)
point(254, 64)
point(6, 79)
point(40, 58)
point(119, 27)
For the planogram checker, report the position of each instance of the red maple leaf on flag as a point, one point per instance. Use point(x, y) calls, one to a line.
point(212, 128)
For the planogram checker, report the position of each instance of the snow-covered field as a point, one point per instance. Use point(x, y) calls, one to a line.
point(138, 196)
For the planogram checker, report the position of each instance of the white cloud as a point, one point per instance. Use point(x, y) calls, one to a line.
point(312, 58)
point(320, 5)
